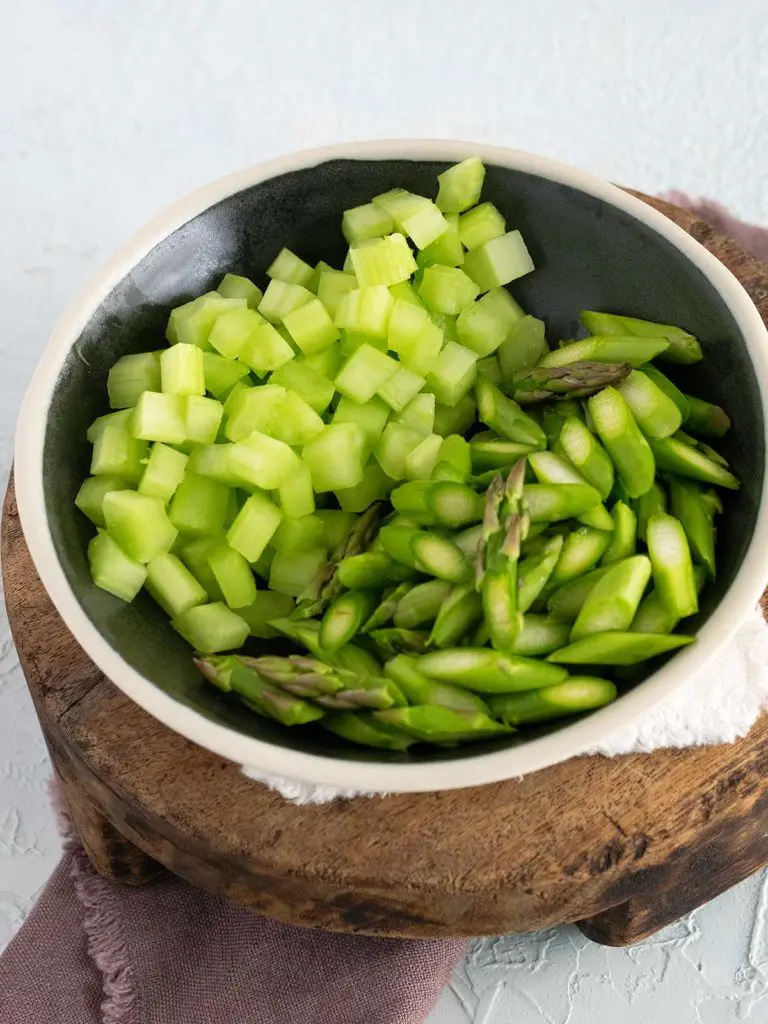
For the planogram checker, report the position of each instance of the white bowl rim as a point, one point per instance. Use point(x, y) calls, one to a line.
point(379, 777)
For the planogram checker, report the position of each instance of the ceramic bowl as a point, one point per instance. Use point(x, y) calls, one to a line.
point(593, 245)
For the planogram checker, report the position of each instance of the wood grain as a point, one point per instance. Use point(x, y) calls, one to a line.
point(624, 846)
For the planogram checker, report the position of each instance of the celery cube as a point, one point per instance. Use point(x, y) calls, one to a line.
point(262, 461)
point(91, 495)
point(406, 322)
point(374, 486)
point(291, 573)
point(298, 534)
point(263, 563)
point(311, 327)
point(287, 266)
point(221, 374)
point(480, 330)
point(295, 494)
point(400, 388)
point(203, 418)
point(421, 460)
point(298, 376)
point(419, 413)
point(266, 350)
point(500, 304)
point(424, 225)
point(173, 586)
point(393, 447)
point(212, 628)
point(524, 346)
point(117, 453)
point(194, 555)
point(181, 370)
point(163, 473)
point(113, 570)
point(400, 204)
point(455, 419)
point(460, 185)
point(335, 457)
point(447, 290)
point(364, 373)
point(199, 505)
point(297, 422)
point(253, 409)
point(234, 391)
point(233, 575)
point(453, 374)
point(266, 606)
point(139, 524)
point(366, 311)
point(363, 222)
point(490, 369)
point(351, 342)
point(446, 249)
point(336, 525)
point(383, 261)
point(192, 323)
point(420, 352)
point(478, 226)
point(370, 416)
point(233, 286)
point(326, 363)
point(232, 331)
point(404, 290)
point(121, 418)
point(234, 504)
point(281, 298)
point(333, 286)
point(159, 417)
point(130, 376)
point(212, 460)
point(254, 527)
point(499, 261)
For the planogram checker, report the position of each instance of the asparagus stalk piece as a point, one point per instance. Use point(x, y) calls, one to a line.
point(534, 572)
point(453, 504)
point(652, 503)
point(613, 601)
point(420, 689)
point(673, 455)
point(624, 537)
point(576, 380)
point(303, 631)
point(362, 728)
point(655, 412)
point(469, 540)
point(683, 347)
point(430, 724)
point(497, 453)
point(385, 610)
point(400, 641)
point(582, 550)
point(551, 468)
point(696, 514)
point(584, 451)
point(438, 556)
point(628, 449)
point(554, 416)
point(487, 671)
point(460, 611)
point(672, 566)
point(344, 617)
point(370, 571)
point(567, 601)
point(326, 685)
point(706, 419)
point(620, 349)
point(540, 635)
point(669, 389)
point(618, 648)
point(653, 617)
point(230, 673)
point(550, 502)
point(421, 604)
point(576, 694)
point(505, 416)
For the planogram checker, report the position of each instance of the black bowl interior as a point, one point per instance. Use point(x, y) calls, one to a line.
point(588, 254)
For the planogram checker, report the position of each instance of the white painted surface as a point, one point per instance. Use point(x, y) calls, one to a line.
point(110, 111)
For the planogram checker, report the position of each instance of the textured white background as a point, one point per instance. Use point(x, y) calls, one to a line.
point(110, 110)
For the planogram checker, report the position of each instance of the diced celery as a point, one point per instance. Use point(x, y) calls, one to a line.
point(163, 473)
point(420, 462)
point(335, 457)
point(232, 330)
point(366, 311)
point(173, 586)
point(281, 298)
point(233, 286)
point(267, 605)
point(363, 222)
point(446, 250)
point(131, 375)
point(523, 347)
point(192, 323)
point(337, 526)
point(455, 419)
point(419, 413)
point(235, 390)
point(233, 575)
point(314, 281)
point(447, 290)
point(480, 330)
point(400, 204)
point(406, 322)
point(295, 493)
point(262, 461)
point(139, 524)
point(455, 450)
point(212, 628)
point(311, 327)
point(91, 495)
point(159, 417)
point(254, 527)
point(480, 225)
point(351, 342)
point(404, 290)
point(181, 370)
point(266, 349)
point(291, 573)
point(234, 503)
point(420, 352)
point(113, 570)
point(460, 185)
point(254, 409)
point(298, 534)
point(383, 261)
point(453, 374)
point(499, 261)
point(203, 419)
point(374, 486)
point(121, 418)
point(333, 286)
point(394, 446)
point(194, 555)
point(364, 373)
point(490, 369)
point(326, 363)
point(398, 390)
point(221, 374)
point(199, 505)
point(287, 267)
point(296, 422)
point(370, 416)
point(117, 453)
point(424, 225)
point(298, 376)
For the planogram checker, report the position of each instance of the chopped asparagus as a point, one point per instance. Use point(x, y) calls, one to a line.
point(628, 449)
point(576, 694)
point(506, 417)
point(613, 601)
point(672, 566)
point(705, 419)
point(618, 648)
point(420, 689)
point(682, 347)
point(575, 380)
point(624, 536)
point(430, 724)
point(487, 671)
point(696, 514)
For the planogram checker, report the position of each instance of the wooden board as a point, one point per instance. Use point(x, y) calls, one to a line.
point(623, 846)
